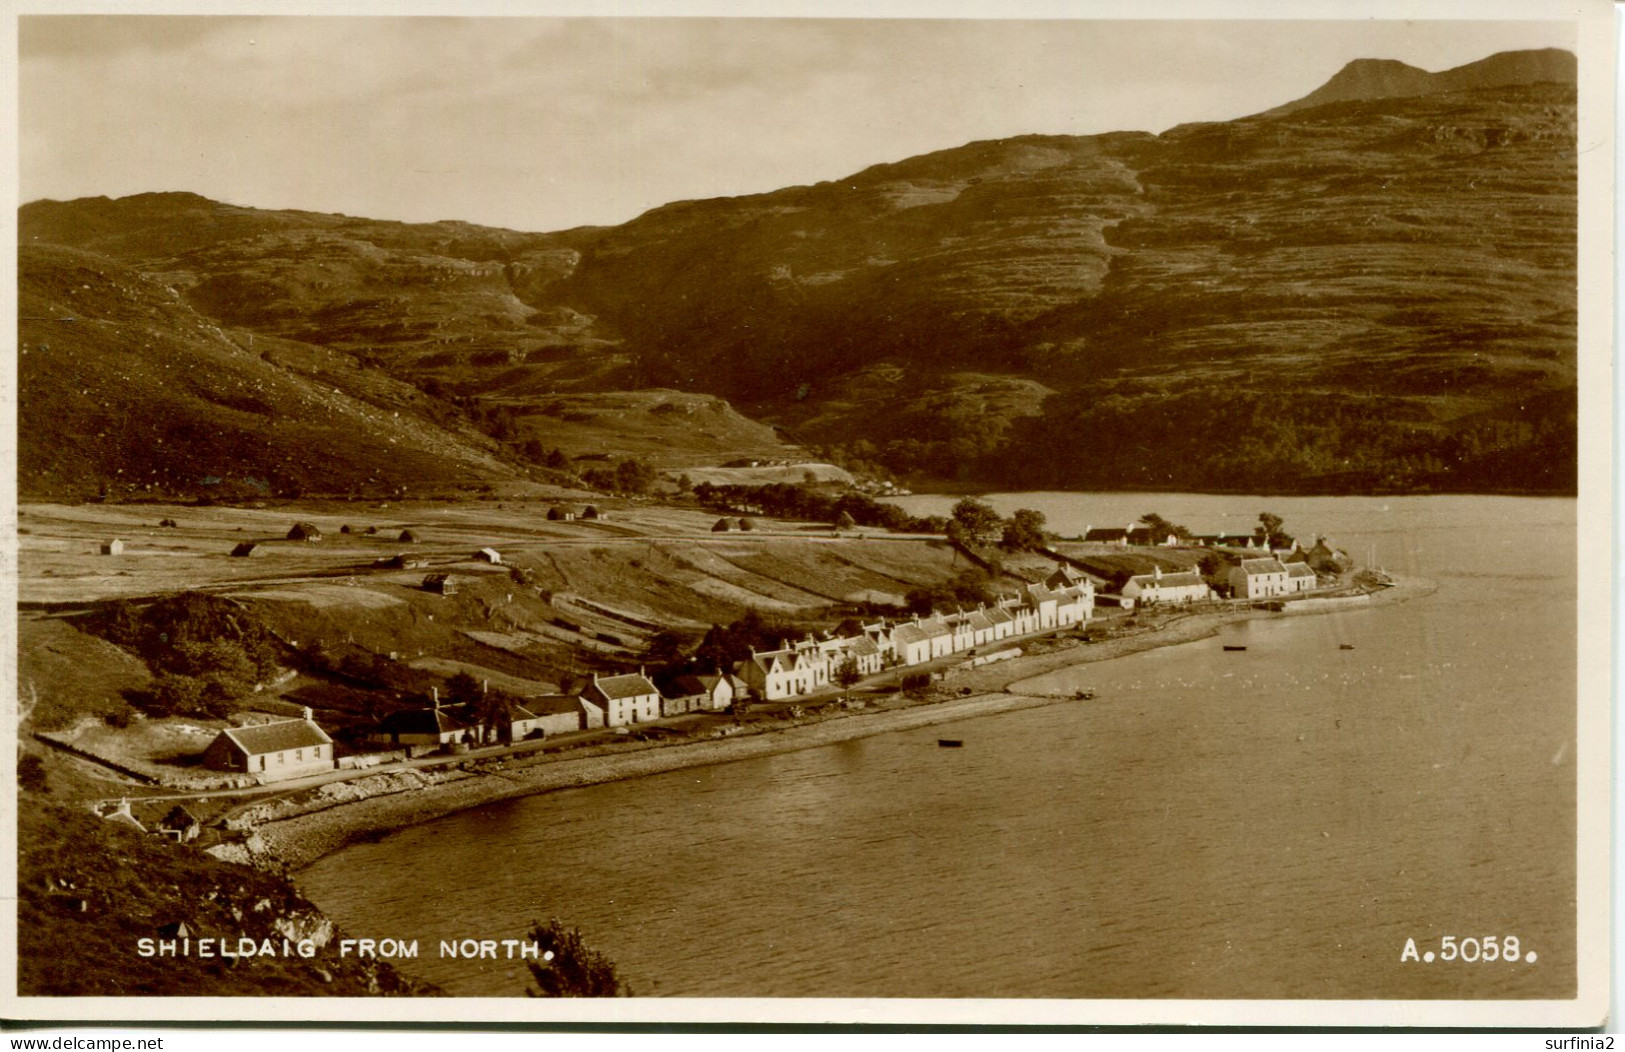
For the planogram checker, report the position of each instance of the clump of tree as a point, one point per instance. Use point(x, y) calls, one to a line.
point(629, 476)
point(205, 651)
point(1161, 527)
point(1025, 531)
point(569, 967)
point(813, 504)
point(1269, 529)
point(970, 588)
point(1215, 570)
point(973, 521)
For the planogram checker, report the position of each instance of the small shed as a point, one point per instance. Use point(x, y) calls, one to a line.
point(407, 537)
point(489, 555)
point(722, 526)
point(305, 531)
point(558, 514)
point(113, 547)
point(248, 550)
point(440, 584)
point(399, 562)
point(180, 824)
point(591, 512)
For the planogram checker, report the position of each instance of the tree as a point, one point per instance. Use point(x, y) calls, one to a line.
point(747, 524)
point(977, 518)
point(493, 711)
point(665, 648)
point(1025, 531)
point(31, 774)
point(1161, 527)
point(174, 695)
point(845, 521)
point(569, 967)
point(847, 674)
point(1269, 527)
point(633, 476)
point(462, 689)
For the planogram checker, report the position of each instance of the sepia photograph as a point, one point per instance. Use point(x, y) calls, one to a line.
point(672, 514)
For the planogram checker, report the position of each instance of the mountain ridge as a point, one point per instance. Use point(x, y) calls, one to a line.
point(1402, 265)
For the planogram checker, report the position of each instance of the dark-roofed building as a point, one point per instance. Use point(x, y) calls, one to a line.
point(400, 562)
point(592, 511)
point(179, 824)
point(305, 531)
point(1106, 535)
point(435, 725)
point(624, 699)
point(272, 752)
point(407, 537)
point(715, 692)
point(1328, 560)
point(440, 584)
point(248, 550)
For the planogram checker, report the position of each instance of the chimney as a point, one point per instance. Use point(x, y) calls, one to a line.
point(307, 713)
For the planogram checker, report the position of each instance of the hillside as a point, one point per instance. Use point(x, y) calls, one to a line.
point(90, 889)
point(1371, 288)
point(125, 388)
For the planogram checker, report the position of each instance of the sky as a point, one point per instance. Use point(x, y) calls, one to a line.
point(548, 123)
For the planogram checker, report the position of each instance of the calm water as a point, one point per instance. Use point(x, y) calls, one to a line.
point(1273, 823)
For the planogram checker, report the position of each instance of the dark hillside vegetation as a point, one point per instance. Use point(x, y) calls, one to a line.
point(90, 889)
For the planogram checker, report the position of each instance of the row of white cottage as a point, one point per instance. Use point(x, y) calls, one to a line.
point(812, 664)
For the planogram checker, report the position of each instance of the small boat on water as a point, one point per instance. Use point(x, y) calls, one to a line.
point(1227, 646)
point(1345, 646)
point(949, 743)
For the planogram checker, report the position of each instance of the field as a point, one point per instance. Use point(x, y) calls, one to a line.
point(567, 599)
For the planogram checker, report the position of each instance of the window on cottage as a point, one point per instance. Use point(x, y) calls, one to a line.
point(281, 758)
point(299, 754)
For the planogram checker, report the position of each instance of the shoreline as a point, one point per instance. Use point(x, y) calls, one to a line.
point(300, 840)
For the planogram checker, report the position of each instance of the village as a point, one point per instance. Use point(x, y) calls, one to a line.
point(816, 673)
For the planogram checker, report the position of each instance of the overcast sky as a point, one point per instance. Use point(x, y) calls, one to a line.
point(541, 124)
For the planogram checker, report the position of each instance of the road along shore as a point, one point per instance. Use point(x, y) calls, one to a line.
point(358, 812)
